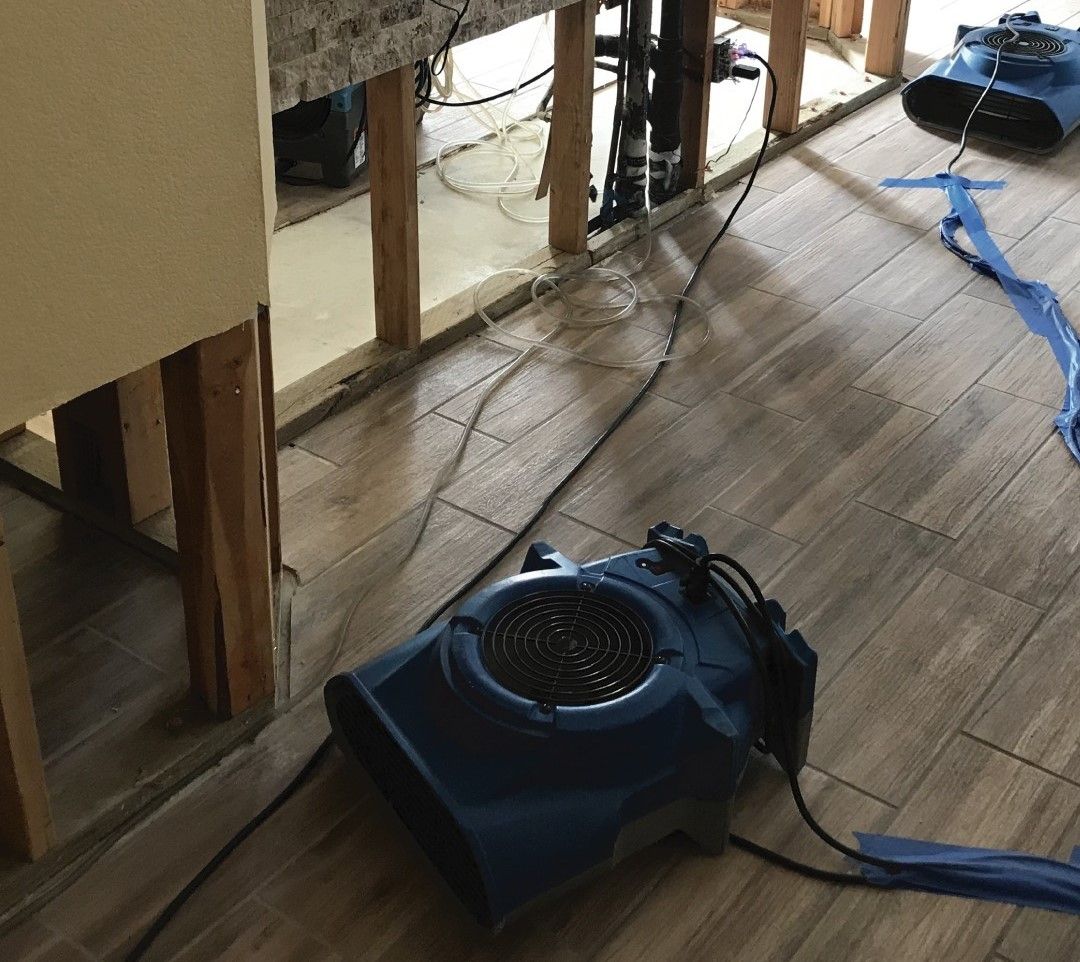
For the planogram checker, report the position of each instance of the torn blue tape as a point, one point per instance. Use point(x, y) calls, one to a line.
point(1034, 301)
point(975, 873)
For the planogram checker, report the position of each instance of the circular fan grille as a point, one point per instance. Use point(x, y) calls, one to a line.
point(1031, 43)
point(567, 648)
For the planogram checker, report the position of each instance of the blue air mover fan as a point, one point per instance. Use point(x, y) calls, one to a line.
point(567, 717)
point(1035, 100)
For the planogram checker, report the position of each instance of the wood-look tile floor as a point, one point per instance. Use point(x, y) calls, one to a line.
point(870, 430)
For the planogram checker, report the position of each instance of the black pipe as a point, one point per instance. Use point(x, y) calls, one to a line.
point(631, 171)
point(665, 106)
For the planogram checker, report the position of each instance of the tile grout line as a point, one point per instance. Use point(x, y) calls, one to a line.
point(1035, 766)
point(592, 527)
point(402, 512)
point(318, 457)
point(880, 625)
point(341, 412)
point(113, 640)
point(852, 785)
point(846, 292)
point(475, 430)
point(256, 897)
point(475, 516)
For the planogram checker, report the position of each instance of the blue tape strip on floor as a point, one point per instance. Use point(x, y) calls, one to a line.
point(1034, 301)
point(977, 873)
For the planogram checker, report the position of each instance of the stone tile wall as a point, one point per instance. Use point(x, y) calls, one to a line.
point(318, 46)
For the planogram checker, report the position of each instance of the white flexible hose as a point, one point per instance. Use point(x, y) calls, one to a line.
point(510, 142)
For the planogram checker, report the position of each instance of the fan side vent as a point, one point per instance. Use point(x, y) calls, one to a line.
point(415, 802)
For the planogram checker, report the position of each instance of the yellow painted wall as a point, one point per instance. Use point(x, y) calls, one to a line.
point(136, 199)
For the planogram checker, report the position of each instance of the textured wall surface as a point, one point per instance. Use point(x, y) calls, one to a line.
point(318, 46)
point(137, 220)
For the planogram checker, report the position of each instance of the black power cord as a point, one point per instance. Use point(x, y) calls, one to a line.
point(711, 569)
point(438, 61)
point(425, 99)
point(320, 753)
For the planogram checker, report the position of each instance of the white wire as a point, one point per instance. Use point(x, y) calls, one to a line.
point(509, 141)
point(442, 84)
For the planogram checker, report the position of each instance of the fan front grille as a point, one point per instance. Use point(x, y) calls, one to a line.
point(1031, 43)
point(567, 648)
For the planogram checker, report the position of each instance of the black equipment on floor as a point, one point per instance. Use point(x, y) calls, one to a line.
point(327, 132)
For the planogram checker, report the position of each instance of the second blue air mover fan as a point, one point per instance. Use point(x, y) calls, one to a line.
point(567, 717)
point(1035, 101)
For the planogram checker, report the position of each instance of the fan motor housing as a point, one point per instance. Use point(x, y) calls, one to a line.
point(1035, 100)
point(563, 719)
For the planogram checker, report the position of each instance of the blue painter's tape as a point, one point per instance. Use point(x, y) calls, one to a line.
point(943, 180)
point(1034, 301)
point(977, 873)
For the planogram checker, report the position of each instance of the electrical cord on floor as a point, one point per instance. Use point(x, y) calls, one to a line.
point(169, 912)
